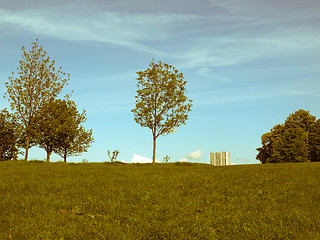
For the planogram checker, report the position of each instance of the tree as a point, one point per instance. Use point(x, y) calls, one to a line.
point(292, 146)
point(9, 135)
point(300, 119)
point(314, 140)
point(69, 137)
point(294, 141)
point(74, 143)
point(53, 118)
point(265, 153)
point(161, 103)
point(38, 82)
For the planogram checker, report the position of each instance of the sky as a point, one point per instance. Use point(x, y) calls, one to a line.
point(248, 64)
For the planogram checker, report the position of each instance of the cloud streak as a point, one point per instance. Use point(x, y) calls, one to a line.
point(129, 30)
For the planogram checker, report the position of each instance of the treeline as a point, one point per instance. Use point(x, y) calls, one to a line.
point(39, 118)
point(296, 140)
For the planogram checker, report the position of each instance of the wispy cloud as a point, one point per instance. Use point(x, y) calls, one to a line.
point(261, 8)
point(130, 30)
point(291, 92)
point(235, 95)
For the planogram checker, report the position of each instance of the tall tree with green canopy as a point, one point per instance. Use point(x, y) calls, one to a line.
point(161, 103)
point(38, 82)
point(9, 135)
point(296, 140)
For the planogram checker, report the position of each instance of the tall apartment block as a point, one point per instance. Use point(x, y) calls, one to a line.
point(220, 158)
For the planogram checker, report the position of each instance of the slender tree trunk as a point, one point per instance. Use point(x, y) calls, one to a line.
point(154, 151)
point(27, 146)
point(1, 154)
point(65, 156)
point(48, 156)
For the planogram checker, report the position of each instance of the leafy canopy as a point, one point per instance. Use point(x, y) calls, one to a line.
point(37, 83)
point(296, 140)
point(161, 103)
point(9, 135)
point(68, 137)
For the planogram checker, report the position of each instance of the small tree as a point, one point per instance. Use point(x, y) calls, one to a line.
point(38, 82)
point(71, 137)
point(161, 103)
point(114, 155)
point(9, 135)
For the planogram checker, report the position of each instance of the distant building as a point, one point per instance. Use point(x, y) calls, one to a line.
point(220, 158)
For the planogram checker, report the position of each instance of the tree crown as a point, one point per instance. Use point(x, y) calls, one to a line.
point(161, 103)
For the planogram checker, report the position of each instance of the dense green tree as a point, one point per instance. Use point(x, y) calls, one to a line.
point(265, 153)
point(314, 139)
point(9, 135)
point(38, 82)
point(64, 135)
point(161, 103)
point(291, 146)
point(300, 119)
point(53, 118)
point(297, 140)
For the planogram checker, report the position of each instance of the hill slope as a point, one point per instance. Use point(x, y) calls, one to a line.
point(166, 201)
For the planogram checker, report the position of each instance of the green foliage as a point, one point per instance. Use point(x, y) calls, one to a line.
point(9, 135)
point(292, 146)
point(59, 129)
point(165, 201)
point(38, 82)
point(74, 143)
point(161, 103)
point(314, 139)
point(114, 156)
point(297, 140)
point(52, 120)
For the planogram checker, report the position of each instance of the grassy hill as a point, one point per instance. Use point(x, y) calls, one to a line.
point(167, 201)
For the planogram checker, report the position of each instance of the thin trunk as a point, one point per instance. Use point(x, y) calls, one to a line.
point(1, 154)
point(27, 146)
point(48, 156)
point(65, 156)
point(154, 151)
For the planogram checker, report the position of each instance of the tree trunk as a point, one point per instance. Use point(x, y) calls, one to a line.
point(1, 154)
point(27, 146)
point(48, 156)
point(154, 151)
point(65, 156)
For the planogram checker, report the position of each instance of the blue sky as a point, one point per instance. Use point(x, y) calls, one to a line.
point(248, 65)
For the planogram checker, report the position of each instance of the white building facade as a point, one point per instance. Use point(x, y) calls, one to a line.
point(220, 158)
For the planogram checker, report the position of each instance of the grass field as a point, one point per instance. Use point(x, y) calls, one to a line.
point(167, 201)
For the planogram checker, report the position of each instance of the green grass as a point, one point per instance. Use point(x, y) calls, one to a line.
point(167, 201)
